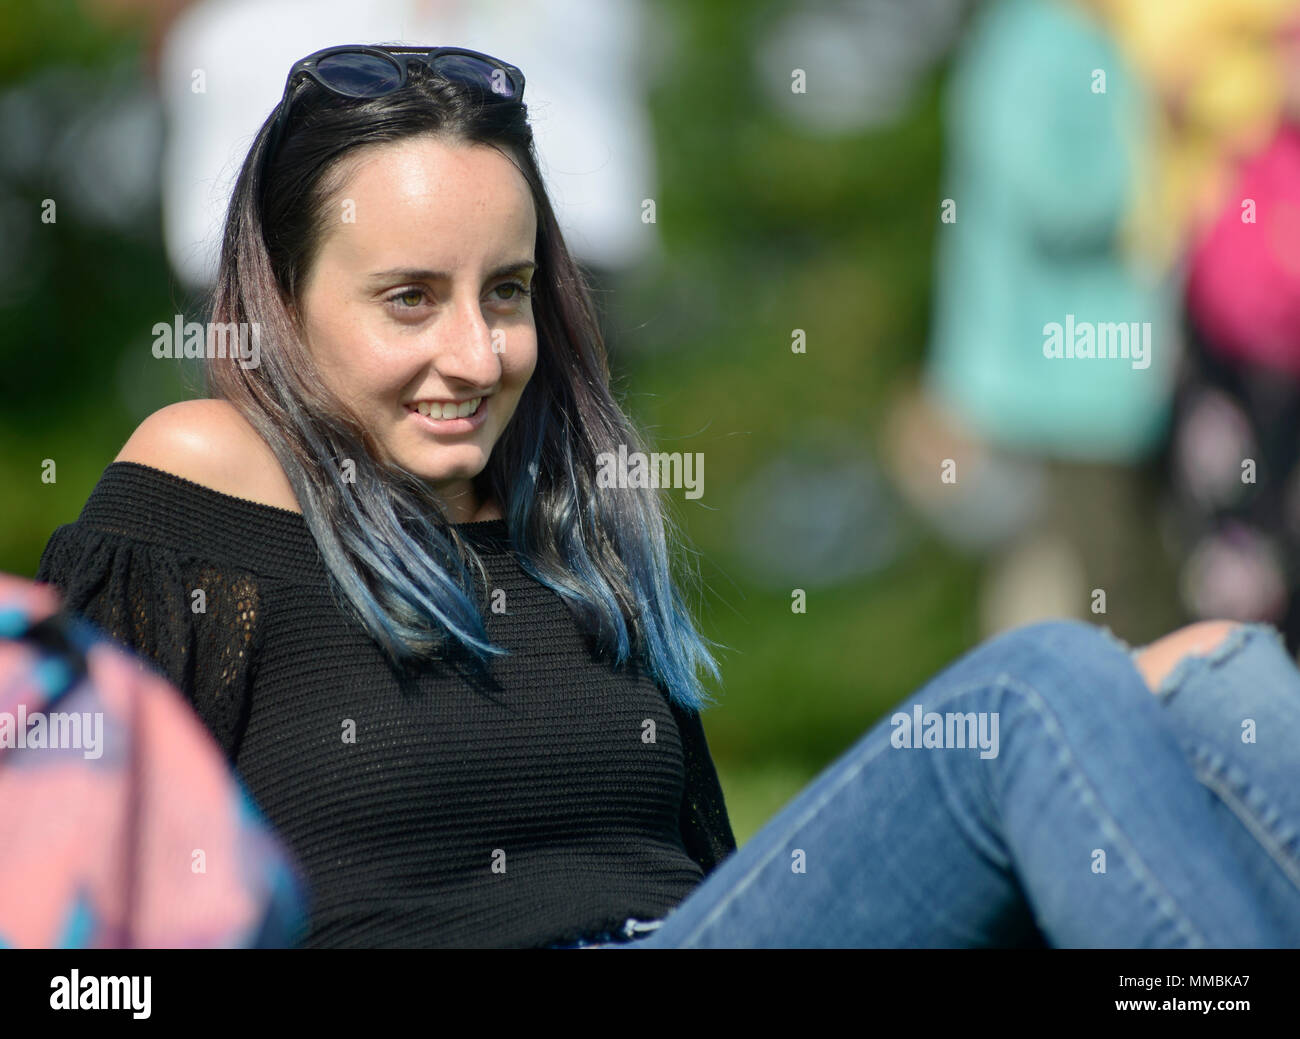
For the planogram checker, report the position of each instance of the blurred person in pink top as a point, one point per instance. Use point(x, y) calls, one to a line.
point(1234, 462)
point(121, 825)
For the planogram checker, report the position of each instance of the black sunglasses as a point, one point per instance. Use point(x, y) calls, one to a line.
point(361, 71)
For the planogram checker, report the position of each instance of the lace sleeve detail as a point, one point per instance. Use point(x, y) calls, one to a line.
point(705, 825)
point(196, 621)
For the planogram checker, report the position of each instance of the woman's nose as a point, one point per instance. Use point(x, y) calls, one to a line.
point(464, 346)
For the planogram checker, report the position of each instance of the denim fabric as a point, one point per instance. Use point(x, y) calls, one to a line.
point(1107, 817)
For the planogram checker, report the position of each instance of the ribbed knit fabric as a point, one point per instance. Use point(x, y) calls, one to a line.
point(432, 811)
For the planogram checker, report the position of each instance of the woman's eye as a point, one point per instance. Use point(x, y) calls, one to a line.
point(517, 290)
point(401, 298)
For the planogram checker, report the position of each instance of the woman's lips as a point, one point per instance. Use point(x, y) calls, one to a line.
point(445, 426)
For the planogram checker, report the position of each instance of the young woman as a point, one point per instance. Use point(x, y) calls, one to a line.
point(457, 674)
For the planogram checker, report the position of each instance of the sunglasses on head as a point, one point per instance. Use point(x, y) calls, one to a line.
point(361, 71)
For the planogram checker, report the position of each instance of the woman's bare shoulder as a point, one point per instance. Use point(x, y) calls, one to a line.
point(209, 442)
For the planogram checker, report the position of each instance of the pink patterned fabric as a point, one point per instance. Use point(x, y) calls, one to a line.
point(1244, 279)
point(128, 830)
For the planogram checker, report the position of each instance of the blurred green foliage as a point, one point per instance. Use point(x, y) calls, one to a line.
point(38, 34)
point(769, 229)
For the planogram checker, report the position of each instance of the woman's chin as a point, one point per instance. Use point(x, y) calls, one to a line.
point(443, 473)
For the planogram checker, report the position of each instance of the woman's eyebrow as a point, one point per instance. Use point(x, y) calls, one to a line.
point(423, 274)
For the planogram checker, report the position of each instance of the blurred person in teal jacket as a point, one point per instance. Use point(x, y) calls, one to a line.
point(1045, 127)
point(1054, 348)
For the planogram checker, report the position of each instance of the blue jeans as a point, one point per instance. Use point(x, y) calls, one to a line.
point(1048, 798)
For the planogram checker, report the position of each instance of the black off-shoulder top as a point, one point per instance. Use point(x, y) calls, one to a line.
point(429, 810)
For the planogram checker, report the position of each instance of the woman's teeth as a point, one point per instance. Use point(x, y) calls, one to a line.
point(446, 411)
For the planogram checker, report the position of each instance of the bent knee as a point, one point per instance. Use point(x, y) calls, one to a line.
point(1158, 659)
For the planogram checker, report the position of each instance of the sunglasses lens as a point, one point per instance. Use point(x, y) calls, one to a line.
point(467, 69)
point(359, 75)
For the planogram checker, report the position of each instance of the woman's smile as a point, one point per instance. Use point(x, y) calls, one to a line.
point(449, 418)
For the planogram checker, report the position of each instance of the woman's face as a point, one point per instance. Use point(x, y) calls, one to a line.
point(419, 295)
